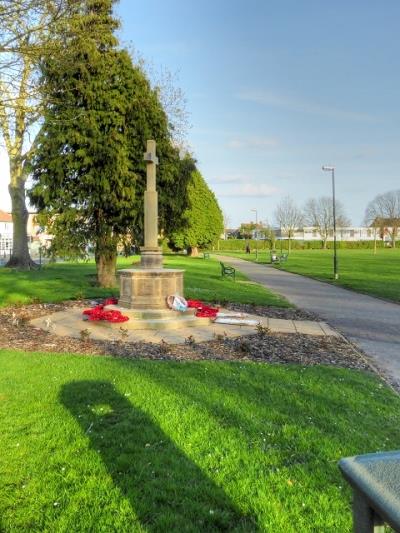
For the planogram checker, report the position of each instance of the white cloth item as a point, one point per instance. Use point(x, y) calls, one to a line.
point(177, 303)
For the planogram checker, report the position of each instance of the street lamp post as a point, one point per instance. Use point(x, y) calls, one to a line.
point(255, 211)
point(335, 261)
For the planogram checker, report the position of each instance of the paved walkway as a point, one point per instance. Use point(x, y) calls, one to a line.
point(372, 324)
point(70, 324)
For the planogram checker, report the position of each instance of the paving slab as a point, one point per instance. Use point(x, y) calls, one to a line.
point(69, 323)
point(371, 323)
point(307, 327)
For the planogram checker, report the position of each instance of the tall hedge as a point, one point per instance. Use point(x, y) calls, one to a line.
point(239, 245)
point(202, 219)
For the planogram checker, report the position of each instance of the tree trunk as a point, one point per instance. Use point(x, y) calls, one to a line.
point(394, 235)
point(193, 251)
point(106, 265)
point(20, 257)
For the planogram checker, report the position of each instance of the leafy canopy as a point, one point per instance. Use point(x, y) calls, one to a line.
point(202, 219)
point(88, 169)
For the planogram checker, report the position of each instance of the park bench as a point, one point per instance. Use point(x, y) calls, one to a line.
point(375, 480)
point(227, 271)
point(275, 258)
point(206, 255)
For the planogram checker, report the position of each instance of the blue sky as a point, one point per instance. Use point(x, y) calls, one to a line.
point(277, 88)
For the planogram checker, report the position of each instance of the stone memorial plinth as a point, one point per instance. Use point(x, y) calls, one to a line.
point(149, 288)
point(144, 289)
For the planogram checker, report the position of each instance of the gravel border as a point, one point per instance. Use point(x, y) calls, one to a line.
point(287, 313)
point(17, 333)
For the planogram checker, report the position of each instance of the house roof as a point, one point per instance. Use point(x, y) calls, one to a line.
point(386, 222)
point(5, 217)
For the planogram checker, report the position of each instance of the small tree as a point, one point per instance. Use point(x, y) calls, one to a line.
point(268, 234)
point(247, 230)
point(289, 217)
point(318, 213)
point(202, 221)
point(384, 212)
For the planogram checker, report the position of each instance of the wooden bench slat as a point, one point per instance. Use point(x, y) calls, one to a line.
point(227, 271)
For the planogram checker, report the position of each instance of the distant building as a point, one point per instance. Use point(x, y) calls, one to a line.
point(231, 233)
point(36, 236)
point(388, 227)
point(6, 233)
point(360, 233)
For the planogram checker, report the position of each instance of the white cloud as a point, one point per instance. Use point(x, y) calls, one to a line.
point(253, 190)
point(252, 142)
point(271, 99)
point(223, 180)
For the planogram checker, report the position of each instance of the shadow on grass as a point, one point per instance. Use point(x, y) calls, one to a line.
point(167, 491)
point(324, 415)
point(53, 283)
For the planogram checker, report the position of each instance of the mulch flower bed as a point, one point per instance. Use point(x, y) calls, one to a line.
point(17, 333)
point(287, 313)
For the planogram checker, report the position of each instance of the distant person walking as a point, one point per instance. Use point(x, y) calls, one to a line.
point(247, 248)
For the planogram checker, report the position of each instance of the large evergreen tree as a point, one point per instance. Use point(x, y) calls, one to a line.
point(202, 219)
point(88, 168)
point(147, 119)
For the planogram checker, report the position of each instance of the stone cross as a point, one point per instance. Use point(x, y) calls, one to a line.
point(151, 253)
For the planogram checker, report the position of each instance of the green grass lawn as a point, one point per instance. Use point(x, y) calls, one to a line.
point(360, 270)
point(103, 444)
point(65, 281)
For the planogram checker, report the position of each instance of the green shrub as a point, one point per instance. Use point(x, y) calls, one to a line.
point(239, 245)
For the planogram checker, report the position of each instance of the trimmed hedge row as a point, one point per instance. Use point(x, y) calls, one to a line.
point(239, 245)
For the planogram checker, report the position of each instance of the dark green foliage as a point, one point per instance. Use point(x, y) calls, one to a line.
point(202, 219)
point(88, 169)
point(83, 179)
point(240, 244)
point(146, 119)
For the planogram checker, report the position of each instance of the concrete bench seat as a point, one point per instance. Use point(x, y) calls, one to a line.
point(275, 258)
point(375, 480)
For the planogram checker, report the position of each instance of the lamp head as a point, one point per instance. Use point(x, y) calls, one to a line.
point(327, 168)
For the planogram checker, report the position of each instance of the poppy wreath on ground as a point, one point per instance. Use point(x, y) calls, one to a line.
point(110, 301)
point(98, 313)
point(203, 310)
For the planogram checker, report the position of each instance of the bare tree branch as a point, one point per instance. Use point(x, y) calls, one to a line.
point(288, 216)
point(383, 212)
point(318, 213)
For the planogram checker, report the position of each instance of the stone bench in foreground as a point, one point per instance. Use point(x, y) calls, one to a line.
point(375, 480)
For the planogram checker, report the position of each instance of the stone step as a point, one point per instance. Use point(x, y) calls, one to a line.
point(169, 322)
point(150, 314)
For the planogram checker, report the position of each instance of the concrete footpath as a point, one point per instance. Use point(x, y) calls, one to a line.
point(371, 323)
